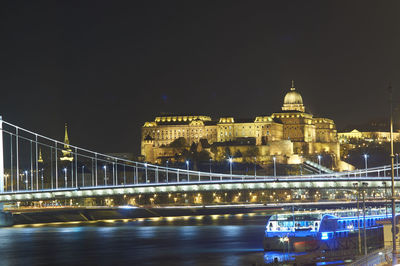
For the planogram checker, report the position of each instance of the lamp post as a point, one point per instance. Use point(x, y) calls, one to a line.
point(366, 164)
point(274, 158)
point(83, 177)
point(384, 183)
point(394, 258)
point(319, 162)
point(26, 179)
point(210, 170)
point(42, 178)
point(364, 184)
point(230, 166)
point(358, 218)
point(65, 176)
point(105, 175)
point(187, 169)
point(255, 166)
point(397, 164)
point(145, 169)
point(301, 165)
point(167, 170)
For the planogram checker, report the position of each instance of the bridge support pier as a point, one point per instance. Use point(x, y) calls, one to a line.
point(6, 218)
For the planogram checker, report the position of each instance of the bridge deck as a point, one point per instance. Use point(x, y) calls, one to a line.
point(226, 185)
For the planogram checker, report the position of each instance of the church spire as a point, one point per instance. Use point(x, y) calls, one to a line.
point(40, 160)
point(67, 152)
point(66, 139)
point(292, 88)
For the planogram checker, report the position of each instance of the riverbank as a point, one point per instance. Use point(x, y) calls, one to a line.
point(84, 214)
point(19, 216)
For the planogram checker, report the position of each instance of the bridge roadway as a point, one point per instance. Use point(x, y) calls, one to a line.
point(279, 183)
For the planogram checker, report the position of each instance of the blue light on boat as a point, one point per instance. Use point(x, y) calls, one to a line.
point(324, 236)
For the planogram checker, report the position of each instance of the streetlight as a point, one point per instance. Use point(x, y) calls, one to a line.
point(105, 174)
point(366, 164)
point(358, 219)
point(65, 177)
point(394, 249)
point(274, 158)
point(255, 166)
point(230, 166)
point(145, 168)
point(384, 183)
point(42, 178)
point(26, 179)
point(364, 184)
point(167, 170)
point(301, 165)
point(83, 177)
point(187, 169)
point(319, 162)
point(210, 170)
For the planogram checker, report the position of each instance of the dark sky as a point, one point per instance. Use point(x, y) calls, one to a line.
point(106, 67)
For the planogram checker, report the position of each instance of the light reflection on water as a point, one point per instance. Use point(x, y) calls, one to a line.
point(233, 240)
point(274, 256)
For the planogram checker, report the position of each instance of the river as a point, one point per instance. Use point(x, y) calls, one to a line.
point(195, 240)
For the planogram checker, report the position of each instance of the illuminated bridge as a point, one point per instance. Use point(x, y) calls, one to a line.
point(37, 168)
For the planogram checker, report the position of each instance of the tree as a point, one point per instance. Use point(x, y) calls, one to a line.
point(193, 148)
point(179, 143)
point(237, 154)
point(252, 152)
point(203, 156)
point(228, 153)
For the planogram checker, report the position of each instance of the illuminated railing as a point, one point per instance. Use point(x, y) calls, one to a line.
point(33, 162)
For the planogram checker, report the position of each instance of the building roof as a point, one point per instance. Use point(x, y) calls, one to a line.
point(293, 100)
point(293, 97)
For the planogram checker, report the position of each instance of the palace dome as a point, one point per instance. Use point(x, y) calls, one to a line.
point(293, 97)
point(293, 101)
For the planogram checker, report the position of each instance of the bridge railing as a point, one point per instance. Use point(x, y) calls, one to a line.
point(31, 162)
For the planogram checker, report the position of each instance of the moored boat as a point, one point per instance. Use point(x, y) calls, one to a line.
point(305, 231)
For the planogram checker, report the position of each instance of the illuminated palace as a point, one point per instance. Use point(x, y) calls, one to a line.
point(288, 135)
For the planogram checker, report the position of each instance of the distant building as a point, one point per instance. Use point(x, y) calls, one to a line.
point(286, 134)
point(129, 156)
point(66, 151)
point(371, 136)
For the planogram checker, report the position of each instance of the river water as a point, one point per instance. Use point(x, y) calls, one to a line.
point(195, 240)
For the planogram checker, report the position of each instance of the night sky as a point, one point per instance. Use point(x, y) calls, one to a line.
point(106, 67)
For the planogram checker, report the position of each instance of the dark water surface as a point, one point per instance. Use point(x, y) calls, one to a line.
point(208, 240)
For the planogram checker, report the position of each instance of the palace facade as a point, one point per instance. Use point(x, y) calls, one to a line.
point(370, 136)
point(288, 135)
